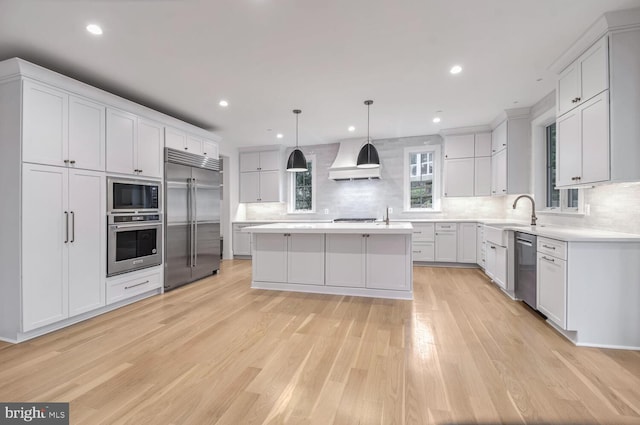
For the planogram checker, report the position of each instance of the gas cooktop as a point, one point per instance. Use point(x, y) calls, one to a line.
point(354, 220)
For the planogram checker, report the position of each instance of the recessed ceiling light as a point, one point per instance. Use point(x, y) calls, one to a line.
point(436, 120)
point(223, 103)
point(456, 69)
point(351, 128)
point(94, 29)
point(279, 135)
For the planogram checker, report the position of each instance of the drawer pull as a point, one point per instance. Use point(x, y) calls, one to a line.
point(418, 252)
point(137, 284)
point(548, 247)
point(548, 259)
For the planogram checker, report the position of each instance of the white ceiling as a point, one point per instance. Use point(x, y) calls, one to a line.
point(267, 57)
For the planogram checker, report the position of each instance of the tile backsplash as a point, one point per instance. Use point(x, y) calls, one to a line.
point(614, 207)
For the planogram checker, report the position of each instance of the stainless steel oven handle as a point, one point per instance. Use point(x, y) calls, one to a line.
point(129, 226)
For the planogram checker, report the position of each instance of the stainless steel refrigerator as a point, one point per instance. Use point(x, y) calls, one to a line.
point(192, 217)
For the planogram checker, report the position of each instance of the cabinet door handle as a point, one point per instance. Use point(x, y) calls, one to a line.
point(139, 171)
point(73, 227)
point(548, 247)
point(137, 284)
point(417, 252)
point(66, 218)
point(66, 161)
point(73, 161)
point(186, 148)
point(492, 247)
point(548, 259)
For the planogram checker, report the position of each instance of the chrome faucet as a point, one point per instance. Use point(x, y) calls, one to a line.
point(533, 208)
point(386, 219)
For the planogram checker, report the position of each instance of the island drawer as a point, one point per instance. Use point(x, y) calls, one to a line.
point(446, 227)
point(423, 231)
point(552, 247)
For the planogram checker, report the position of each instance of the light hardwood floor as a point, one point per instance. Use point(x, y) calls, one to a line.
point(218, 352)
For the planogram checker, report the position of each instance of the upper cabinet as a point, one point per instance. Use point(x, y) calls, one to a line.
point(180, 140)
point(134, 145)
point(511, 153)
point(467, 165)
point(585, 78)
point(61, 129)
point(597, 94)
point(261, 176)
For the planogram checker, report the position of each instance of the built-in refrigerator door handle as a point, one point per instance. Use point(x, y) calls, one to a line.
point(195, 223)
point(190, 220)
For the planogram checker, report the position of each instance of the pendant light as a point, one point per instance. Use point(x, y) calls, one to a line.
point(297, 162)
point(368, 156)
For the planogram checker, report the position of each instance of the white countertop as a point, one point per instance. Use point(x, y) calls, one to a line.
point(372, 228)
point(279, 221)
point(572, 234)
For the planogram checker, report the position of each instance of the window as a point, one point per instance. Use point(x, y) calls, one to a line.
point(557, 199)
point(421, 178)
point(302, 191)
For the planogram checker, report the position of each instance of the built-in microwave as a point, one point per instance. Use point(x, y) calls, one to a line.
point(131, 196)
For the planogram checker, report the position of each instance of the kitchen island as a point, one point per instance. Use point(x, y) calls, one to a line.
point(361, 259)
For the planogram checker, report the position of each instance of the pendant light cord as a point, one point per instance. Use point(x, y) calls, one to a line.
point(296, 131)
point(368, 138)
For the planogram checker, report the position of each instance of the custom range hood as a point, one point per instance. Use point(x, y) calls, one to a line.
point(344, 167)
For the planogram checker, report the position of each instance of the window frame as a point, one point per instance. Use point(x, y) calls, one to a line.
point(437, 173)
point(539, 136)
point(292, 193)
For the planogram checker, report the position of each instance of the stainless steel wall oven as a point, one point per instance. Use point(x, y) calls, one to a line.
point(134, 242)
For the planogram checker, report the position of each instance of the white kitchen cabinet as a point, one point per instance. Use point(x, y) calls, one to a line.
point(496, 263)
point(511, 153)
point(122, 133)
point(480, 245)
point(129, 285)
point(583, 143)
point(210, 149)
point(175, 139)
point(86, 134)
point(552, 288)
point(241, 240)
point(194, 145)
point(134, 145)
point(260, 176)
point(482, 176)
point(466, 243)
point(482, 145)
point(270, 257)
point(86, 241)
point(459, 146)
point(62, 130)
point(150, 145)
point(499, 138)
point(585, 78)
point(345, 260)
point(446, 243)
point(386, 262)
point(45, 124)
point(289, 258)
point(63, 243)
point(499, 173)
point(424, 251)
point(458, 177)
point(250, 187)
point(305, 258)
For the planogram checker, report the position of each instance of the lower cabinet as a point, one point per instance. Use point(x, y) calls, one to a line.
point(345, 260)
point(126, 286)
point(496, 263)
point(424, 251)
point(289, 258)
point(446, 245)
point(466, 243)
point(241, 240)
point(386, 259)
point(480, 245)
point(552, 280)
point(63, 253)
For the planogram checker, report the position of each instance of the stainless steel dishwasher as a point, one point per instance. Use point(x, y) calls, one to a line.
point(525, 270)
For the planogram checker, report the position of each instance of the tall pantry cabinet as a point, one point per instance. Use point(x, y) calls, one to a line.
point(53, 249)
